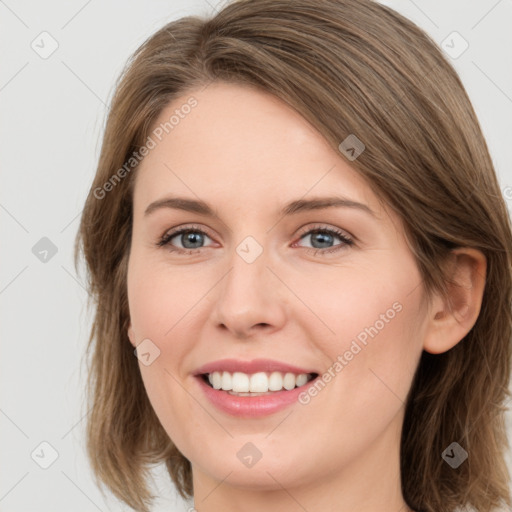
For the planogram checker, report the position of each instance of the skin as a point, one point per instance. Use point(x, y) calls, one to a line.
point(247, 154)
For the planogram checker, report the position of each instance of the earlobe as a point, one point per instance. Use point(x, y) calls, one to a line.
point(452, 317)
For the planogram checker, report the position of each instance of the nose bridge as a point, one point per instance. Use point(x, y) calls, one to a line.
point(248, 294)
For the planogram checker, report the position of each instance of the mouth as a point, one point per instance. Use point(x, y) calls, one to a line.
point(256, 384)
point(253, 389)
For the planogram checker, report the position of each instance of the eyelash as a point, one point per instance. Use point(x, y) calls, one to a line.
point(346, 241)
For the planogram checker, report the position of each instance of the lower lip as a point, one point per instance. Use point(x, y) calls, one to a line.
point(251, 407)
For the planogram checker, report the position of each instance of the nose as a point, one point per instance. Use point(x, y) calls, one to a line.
point(249, 299)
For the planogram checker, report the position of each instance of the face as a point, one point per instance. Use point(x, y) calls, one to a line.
point(265, 282)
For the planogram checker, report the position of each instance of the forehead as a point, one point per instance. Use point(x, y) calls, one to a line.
point(238, 143)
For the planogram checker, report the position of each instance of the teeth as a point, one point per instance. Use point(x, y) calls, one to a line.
point(240, 382)
point(260, 382)
point(275, 381)
point(301, 379)
point(227, 381)
point(289, 381)
point(216, 380)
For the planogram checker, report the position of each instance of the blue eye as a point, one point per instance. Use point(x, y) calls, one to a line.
point(192, 239)
point(321, 238)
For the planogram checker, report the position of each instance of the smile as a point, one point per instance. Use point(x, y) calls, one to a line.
point(251, 389)
point(257, 384)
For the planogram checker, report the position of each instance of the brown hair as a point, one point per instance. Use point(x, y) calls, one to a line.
point(348, 67)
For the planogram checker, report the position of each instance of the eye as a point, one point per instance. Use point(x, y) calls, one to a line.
point(322, 238)
point(189, 238)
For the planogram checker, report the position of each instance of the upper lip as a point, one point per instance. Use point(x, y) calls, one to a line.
point(250, 367)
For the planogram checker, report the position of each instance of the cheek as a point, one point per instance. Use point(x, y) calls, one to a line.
point(159, 300)
point(378, 342)
point(362, 305)
point(370, 364)
point(372, 320)
point(161, 310)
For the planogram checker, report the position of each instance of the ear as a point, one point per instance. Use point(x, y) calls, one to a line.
point(131, 335)
point(451, 318)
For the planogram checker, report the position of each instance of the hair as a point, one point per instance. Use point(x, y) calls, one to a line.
point(348, 67)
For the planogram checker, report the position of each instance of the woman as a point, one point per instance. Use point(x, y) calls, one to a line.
point(296, 228)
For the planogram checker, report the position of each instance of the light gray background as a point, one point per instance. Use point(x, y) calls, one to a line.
point(52, 115)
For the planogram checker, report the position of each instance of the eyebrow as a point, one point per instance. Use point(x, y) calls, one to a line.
point(294, 207)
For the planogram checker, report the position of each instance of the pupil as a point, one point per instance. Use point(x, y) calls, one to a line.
point(322, 238)
point(193, 238)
